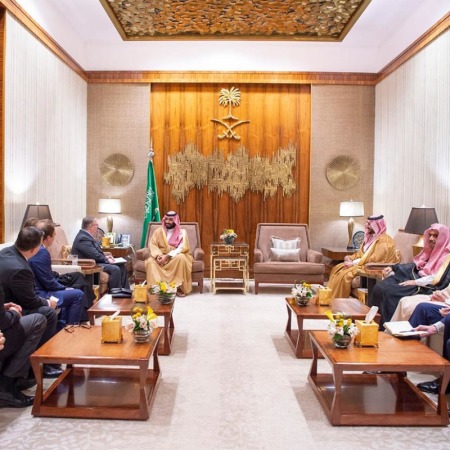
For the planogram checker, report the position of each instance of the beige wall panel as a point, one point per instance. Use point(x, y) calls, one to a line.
point(45, 133)
point(412, 136)
point(118, 122)
point(342, 124)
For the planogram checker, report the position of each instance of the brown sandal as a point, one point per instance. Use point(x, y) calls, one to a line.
point(180, 293)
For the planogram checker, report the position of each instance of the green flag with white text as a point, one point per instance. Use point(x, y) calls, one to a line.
point(151, 208)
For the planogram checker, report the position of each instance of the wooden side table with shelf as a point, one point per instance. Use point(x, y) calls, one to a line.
point(336, 255)
point(229, 257)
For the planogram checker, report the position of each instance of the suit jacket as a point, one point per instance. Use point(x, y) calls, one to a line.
point(85, 246)
point(17, 280)
point(45, 278)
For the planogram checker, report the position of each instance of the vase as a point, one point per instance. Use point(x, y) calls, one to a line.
point(141, 336)
point(228, 240)
point(166, 298)
point(343, 341)
point(302, 301)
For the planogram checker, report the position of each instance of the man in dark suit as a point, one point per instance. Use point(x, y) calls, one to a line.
point(21, 338)
point(85, 246)
point(17, 280)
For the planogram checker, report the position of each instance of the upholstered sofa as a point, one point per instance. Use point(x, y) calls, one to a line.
point(276, 266)
point(198, 267)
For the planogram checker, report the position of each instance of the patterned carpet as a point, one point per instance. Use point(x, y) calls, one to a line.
point(232, 382)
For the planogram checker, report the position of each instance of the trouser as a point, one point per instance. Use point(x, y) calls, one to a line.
point(71, 303)
point(18, 364)
point(52, 318)
point(118, 276)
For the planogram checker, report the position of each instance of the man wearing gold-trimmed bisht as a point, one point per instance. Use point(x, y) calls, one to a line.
point(378, 247)
point(170, 255)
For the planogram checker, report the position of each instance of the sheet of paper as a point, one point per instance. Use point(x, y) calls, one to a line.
point(120, 260)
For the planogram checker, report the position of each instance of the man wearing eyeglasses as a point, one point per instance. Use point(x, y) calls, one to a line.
point(85, 246)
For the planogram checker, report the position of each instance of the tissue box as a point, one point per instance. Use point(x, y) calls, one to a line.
point(324, 296)
point(112, 330)
point(140, 294)
point(368, 334)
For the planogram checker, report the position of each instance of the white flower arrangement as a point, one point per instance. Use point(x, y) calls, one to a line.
point(302, 289)
point(339, 326)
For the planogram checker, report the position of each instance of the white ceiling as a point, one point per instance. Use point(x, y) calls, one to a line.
point(386, 28)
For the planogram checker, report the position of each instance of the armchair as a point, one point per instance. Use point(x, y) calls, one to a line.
point(59, 252)
point(198, 267)
point(274, 267)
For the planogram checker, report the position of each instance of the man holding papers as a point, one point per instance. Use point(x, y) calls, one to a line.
point(85, 246)
point(432, 317)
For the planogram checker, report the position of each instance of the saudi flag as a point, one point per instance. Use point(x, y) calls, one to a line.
point(151, 208)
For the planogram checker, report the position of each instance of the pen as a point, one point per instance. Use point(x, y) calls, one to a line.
point(407, 331)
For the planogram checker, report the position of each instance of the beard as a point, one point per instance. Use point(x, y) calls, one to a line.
point(169, 226)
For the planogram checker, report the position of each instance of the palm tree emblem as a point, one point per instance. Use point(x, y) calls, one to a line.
point(231, 98)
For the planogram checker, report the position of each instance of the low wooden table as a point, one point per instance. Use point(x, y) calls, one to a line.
point(108, 305)
point(299, 338)
point(387, 398)
point(102, 392)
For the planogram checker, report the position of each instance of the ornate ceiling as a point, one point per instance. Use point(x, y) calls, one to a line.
point(319, 20)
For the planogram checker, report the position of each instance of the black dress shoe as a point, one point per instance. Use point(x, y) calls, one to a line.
point(15, 399)
point(22, 383)
point(52, 371)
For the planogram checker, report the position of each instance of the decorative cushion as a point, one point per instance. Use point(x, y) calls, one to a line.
point(286, 255)
point(278, 242)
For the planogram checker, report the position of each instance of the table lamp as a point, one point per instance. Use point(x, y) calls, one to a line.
point(109, 206)
point(37, 211)
point(418, 221)
point(351, 209)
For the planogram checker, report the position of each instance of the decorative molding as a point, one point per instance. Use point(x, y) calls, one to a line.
point(234, 174)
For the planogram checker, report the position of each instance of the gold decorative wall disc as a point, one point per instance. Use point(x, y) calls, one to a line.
point(343, 172)
point(117, 170)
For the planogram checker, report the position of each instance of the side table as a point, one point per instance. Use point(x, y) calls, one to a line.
point(229, 257)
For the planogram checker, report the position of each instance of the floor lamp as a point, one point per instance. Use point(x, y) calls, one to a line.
point(351, 209)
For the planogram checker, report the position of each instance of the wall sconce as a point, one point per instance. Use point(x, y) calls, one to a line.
point(418, 221)
point(351, 209)
point(38, 211)
point(109, 206)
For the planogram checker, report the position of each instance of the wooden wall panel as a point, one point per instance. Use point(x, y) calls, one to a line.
point(278, 114)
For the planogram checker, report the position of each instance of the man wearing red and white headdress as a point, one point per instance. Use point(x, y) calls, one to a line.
point(378, 247)
point(170, 255)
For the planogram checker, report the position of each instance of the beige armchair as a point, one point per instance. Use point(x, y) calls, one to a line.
point(296, 262)
point(59, 252)
point(198, 267)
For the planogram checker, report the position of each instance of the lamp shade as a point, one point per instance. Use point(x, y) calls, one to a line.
point(420, 219)
point(351, 209)
point(37, 211)
point(109, 206)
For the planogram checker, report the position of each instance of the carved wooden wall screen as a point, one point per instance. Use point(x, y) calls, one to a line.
point(280, 115)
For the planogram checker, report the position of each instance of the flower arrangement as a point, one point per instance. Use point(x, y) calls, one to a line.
point(165, 291)
point(340, 327)
point(164, 287)
point(302, 289)
point(143, 320)
point(228, 235)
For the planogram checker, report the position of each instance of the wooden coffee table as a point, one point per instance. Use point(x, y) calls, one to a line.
point(108, 305)
point(299, 338)
point(106, 392)
point(387, 398)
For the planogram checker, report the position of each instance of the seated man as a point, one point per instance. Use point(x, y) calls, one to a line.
point(428, 272)
point(377, 247)
point(17, 280)
point(85, 246)
point(170, 255)
point(432, 318)
point(71, 301)
point(20, 337)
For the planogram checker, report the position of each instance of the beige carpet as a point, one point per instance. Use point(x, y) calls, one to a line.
point(232, 382)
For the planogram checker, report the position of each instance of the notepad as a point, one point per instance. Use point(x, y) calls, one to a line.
point(402, 328)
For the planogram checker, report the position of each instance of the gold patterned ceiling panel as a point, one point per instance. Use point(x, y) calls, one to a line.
point(320, 20)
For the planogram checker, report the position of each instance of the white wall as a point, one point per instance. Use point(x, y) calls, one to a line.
point(412, 136)
point(45, 133)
